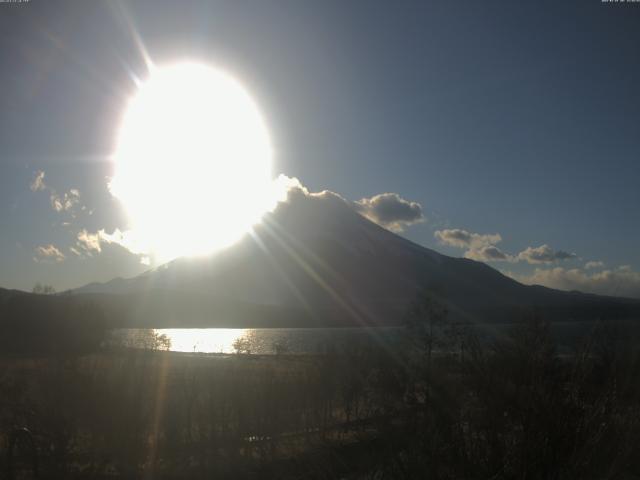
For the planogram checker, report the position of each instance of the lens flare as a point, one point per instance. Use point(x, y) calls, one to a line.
point(192, 163)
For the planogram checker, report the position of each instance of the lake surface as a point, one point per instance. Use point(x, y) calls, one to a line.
point(261, 341)
point(268, 341)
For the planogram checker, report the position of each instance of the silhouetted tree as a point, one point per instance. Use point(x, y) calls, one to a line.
point(425, 320)
point(41, 289)
point(242, 345)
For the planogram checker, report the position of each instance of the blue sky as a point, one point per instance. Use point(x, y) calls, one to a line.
point(513, 118)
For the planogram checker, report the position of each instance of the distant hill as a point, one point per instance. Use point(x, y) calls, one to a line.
point(49, 323)
point(315, 261)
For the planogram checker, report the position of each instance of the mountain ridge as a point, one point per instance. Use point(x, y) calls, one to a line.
point(317, 261)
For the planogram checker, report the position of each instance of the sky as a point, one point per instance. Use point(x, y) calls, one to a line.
point(508, 131)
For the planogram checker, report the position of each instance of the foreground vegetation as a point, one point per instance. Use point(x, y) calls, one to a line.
point(508, 408)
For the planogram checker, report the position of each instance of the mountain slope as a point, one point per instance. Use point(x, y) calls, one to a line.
point(315, 261)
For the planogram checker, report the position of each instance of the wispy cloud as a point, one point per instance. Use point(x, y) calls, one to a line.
point(87, 242)
point(37, 183)
point(622, 281)
point(65, 202)
point(593, 265)
point(544, 254)
point(68, 201)
point(481, 247)
point(457, 237)
point(48, 253)
point(489, 253)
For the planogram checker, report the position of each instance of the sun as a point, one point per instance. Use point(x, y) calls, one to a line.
point(193, 162)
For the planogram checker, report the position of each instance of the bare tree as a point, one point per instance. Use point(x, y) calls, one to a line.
point(41, 289)
point(428, 314)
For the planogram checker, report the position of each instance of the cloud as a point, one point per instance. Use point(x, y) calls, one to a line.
point(544, 254)
point(65, 202)
point(48, 253)
point(593, 264)
point(129, 241)
point(88, 242)
point(481, 247)
point(489, 253)
point(390, 211)
point(290, 186)
point(622, 281)
point(37, 183)
point(462, 239)
point(294, 190)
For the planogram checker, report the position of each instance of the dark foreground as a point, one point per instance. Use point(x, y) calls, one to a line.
point(511, 408)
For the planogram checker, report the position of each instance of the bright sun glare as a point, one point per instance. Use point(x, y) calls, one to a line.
point(192, 163)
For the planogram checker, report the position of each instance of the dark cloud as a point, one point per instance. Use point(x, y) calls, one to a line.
point(390, 211)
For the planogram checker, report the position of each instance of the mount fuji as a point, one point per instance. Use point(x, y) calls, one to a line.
point(315, 261)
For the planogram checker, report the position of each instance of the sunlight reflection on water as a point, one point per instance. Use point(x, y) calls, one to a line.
point(208, 340)
point(268, 341)
point(262, 341)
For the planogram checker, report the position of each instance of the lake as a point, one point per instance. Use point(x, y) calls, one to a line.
point(268, 341)
point(261, 341)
